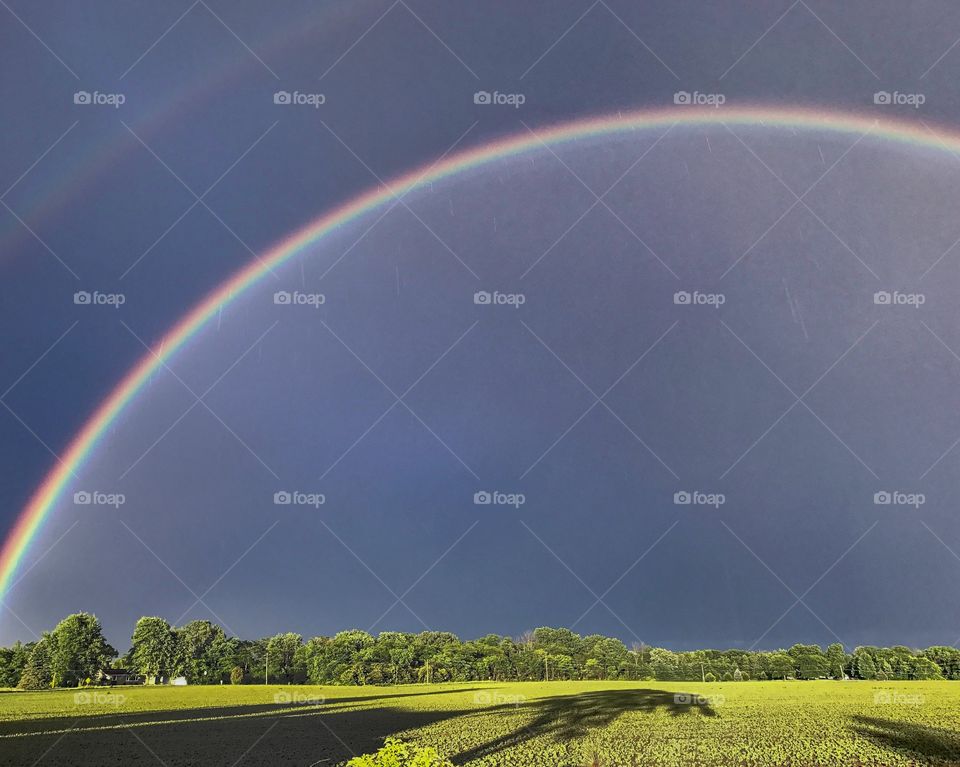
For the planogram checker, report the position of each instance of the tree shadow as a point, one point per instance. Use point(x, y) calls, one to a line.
point(307, 735)
point(323, 735)
point(120, 718)
point(568, 717)
point(911, 740)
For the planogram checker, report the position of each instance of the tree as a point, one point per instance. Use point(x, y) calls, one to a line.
point(863, 664)
point(205, 652)
point(77, 650)
point(591, 668)
point(557, 641)
point(154, 652)
point(37, 674)
point(236, 675)
point(884, 670)
point(780, 665)
point(837, 660)
point(12, 662)
point(663, 663)
point(282, 656)
point(811, 666)
point(946, 658)
point(924, 668)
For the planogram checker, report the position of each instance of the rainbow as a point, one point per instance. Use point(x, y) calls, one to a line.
point(45, 497)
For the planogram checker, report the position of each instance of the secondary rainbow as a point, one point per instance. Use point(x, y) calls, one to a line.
point(45, 497)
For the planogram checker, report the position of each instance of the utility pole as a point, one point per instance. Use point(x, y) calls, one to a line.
point(266, 666)
point(703, 677)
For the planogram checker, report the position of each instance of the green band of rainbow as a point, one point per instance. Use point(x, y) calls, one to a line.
point(45, 497)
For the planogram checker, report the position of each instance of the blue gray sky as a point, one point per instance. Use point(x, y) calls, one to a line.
point(796, 400)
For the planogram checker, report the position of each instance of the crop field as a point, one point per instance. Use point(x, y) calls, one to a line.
point(558, 724)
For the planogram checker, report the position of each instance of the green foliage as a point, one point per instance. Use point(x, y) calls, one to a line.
point(12, 662)
point(202, 652)
point(37, 674)
point(285, 659)
point(155, 649)
point(924, 668)
point(77, 650)
point(236, 675)
point(811, 665)
point(864, 665)
point(396, 753)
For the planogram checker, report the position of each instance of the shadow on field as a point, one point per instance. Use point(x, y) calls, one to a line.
point(290, 738)
point(911, 740)
point(299, 735)
point(253, 735)
point(567, 717)
point(83, 721)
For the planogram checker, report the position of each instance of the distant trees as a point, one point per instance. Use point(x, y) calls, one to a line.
point(947, 660)
point(37, 674)
point(201, 651)
point(77, 650)
point(69, 655)
point(154, 652)
point(12, 662)
point(837, 661)
point(780, 666)
point(863, 665)
point(284, 658)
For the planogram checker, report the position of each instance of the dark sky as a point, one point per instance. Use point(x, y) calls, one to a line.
point(502, 398)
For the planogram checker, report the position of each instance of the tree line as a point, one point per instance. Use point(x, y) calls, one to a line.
point(75, 651)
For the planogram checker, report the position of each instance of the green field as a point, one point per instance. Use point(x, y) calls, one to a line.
point(558, 724)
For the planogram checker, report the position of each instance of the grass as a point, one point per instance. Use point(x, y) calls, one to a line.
point(559, 724)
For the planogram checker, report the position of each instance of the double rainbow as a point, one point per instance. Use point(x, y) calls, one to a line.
point(44, 499)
